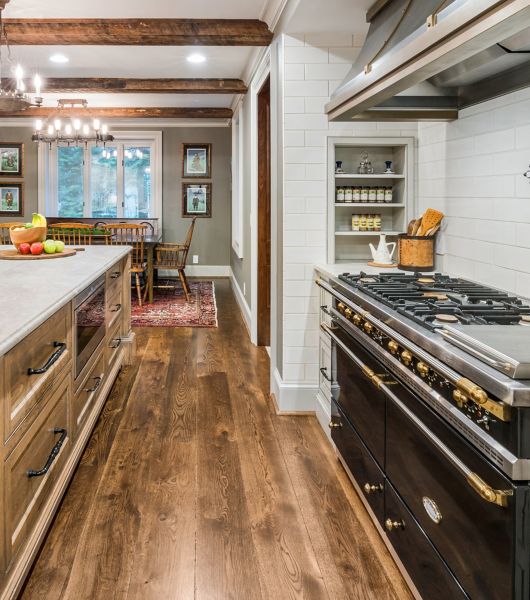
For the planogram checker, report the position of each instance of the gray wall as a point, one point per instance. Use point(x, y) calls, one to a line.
point(30, 179)
point(241, 266)
point(212, 237)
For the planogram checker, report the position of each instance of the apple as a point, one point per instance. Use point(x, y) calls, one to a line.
point(37, 248)
point(28, 225)
point(49, 247)
point(59, 245)
point(24, 248)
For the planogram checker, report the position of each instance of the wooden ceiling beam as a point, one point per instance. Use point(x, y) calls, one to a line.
point(103, 85)
point(137, 32)
point(3, 4)
point(166, 112)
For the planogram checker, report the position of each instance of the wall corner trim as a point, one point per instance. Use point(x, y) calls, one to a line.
point(293, 397)
point(240, 298)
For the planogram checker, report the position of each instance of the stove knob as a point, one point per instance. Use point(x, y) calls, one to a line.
point(478, 395)
point(422, 369)
point(393, 346)
point(368, 327)
point(406, 357)
point(333, 425)
point(341, 306)
point(459, 398)
point(391, 525)
point(357, 319)
point(348, 312)
point(370, 488)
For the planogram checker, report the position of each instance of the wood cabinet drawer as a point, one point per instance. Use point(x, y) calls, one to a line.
point(27, 482)
point(32, 367)
point(87, 394)
point(114, 277)
point(114, 306)
point(113, 349)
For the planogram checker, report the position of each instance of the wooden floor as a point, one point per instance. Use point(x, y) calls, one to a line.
point(192, 487)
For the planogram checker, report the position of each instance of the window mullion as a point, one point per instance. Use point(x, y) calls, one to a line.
point(87, 205)
point(121, 181)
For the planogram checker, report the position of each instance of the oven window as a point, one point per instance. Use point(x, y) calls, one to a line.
point(90, 318)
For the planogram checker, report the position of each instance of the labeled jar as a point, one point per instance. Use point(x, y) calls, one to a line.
point(339, 194)
point(364, 194)
point(356, 194)
point(348, 194)
point(362, 223)
point(380, 194)
point(369, 222)
point(355, 222)
point(377, 222)
point(388, 194)
point(372, 194)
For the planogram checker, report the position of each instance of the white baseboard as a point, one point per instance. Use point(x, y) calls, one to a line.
point(241, 300)
point(200, 271)
point(293, 397)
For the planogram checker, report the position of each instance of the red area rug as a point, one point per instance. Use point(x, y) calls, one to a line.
point(170, 309)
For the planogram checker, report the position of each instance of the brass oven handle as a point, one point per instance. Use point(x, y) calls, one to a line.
point(61, 347)
point(485, 491)
point(53, 455)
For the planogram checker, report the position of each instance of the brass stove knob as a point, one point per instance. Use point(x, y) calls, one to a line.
point(348, 312)
point(393, 346)
point(479, 395)
point(459, 398)
point(406, 357)
point(391, 525)
point(422, 369)
point(333, 425)
point(341, 306)
point(357, 319)
point(375, 487)
point(368, 327)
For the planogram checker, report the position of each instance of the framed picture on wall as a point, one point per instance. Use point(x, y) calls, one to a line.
point(196, 199)
point(11, 160)
point(11, 201)
point(196, 160)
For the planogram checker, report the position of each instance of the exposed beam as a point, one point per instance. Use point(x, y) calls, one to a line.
point(166, 112)
point(137, 32)
point(102, 85)
point(3, 4)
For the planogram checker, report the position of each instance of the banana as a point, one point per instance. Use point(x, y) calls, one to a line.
point(38, 220)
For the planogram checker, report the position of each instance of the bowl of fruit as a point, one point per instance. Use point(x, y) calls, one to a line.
point(29, 233)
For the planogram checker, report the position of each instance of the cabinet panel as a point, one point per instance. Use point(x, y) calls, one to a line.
point(27, 482)
point(87, 394)
point(33, 365)
point(113, 345)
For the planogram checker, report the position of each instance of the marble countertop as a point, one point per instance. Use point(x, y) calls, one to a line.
point(354, 267)
point(32, 290)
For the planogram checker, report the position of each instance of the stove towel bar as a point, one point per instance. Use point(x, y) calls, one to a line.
point(489, 494)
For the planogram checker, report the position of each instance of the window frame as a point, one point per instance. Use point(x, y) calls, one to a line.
point(47, 158)
point(237, 181)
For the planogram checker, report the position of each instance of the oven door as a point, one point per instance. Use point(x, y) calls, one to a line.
point(361, 402)
point(89, 323)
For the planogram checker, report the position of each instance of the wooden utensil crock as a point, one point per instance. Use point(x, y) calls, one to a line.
point(415, 252)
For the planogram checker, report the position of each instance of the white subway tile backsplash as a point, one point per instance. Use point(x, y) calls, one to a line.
point(294, 72)
point(303, 221)
point(315, 104)
point(294, 205)
point(298, 288)
point(305, 88)
point(294, 271)
point(305, 188)
point(343, 55)
point(496, 141)
point(294, 138)
point(300, 355)
point(326, 71)
point(306, 54)
point(306, 122)
point(512, 257)
point(316, 205)
point(294, 40)
point(292, 172)
point(333, 85)
point(316, 138)
point(304, 155)
point(314, 172)
point(294, 105)
point(295, 238)
point(522, 137)
point(326, 40)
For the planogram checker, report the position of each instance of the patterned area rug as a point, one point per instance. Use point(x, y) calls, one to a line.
point(170, 309)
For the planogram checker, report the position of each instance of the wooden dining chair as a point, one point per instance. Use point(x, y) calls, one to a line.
point(173, 257)
point(4, 232)
point(72, 234)
point(131, 234)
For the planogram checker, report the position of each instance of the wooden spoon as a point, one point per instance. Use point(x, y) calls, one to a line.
point(430, 219)
point(411, 226)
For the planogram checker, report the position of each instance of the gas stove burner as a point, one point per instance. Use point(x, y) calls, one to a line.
point(446, 318)
point(425, 280)
point(367, 280)
point(440, 297)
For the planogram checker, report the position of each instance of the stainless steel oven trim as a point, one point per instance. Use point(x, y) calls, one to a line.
point(516, 468)
point(79, 299)
point(498, 497)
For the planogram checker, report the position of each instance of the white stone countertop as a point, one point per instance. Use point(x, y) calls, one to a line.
point(33, 290)
point(354, 267)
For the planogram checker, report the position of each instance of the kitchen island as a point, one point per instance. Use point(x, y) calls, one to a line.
point(64, 335)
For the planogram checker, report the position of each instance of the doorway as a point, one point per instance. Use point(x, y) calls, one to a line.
point(264, 214)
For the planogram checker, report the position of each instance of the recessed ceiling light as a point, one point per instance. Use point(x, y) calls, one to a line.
point(196, 58)
point(59, 58)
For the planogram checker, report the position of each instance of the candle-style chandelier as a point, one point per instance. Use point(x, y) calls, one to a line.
point(65, 129)
point(14, 100)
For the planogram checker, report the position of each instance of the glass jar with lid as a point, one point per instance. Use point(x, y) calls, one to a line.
point(369, 222)
point(364, 194)
point(348, 194)
point(356, 194)
point(362, 223)
point(381, 193)
point(339, 197)
point(372, 194)
point(355, 222)
point(388, 194)
point(377, 222)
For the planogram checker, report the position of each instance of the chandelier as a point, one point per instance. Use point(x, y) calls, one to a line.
point(14, 100)
point(75, 130)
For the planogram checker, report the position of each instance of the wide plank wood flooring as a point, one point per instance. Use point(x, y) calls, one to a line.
point(191, 487)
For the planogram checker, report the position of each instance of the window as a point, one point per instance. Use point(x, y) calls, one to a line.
point(121, 180)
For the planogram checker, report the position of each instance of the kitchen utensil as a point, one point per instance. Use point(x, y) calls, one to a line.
point(417, 226)
point(382, 254)
point(432, 231)
point(430, 219)
point(411, 226)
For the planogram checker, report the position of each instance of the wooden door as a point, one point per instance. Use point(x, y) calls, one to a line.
point(264, 215)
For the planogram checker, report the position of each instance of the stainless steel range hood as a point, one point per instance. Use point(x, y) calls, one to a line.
point(427, 59)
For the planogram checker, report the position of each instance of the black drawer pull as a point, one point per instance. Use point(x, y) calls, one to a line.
point(115, 274)
point(98, 381)
point(324, 374)
point(117, 308)
point(53, 454)
point(61, 347)
point(115, 343)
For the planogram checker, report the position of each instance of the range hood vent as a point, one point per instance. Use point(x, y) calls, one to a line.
point(427, 59)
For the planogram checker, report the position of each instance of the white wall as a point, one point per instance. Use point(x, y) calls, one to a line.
point(472, 170)
point(314, 67)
